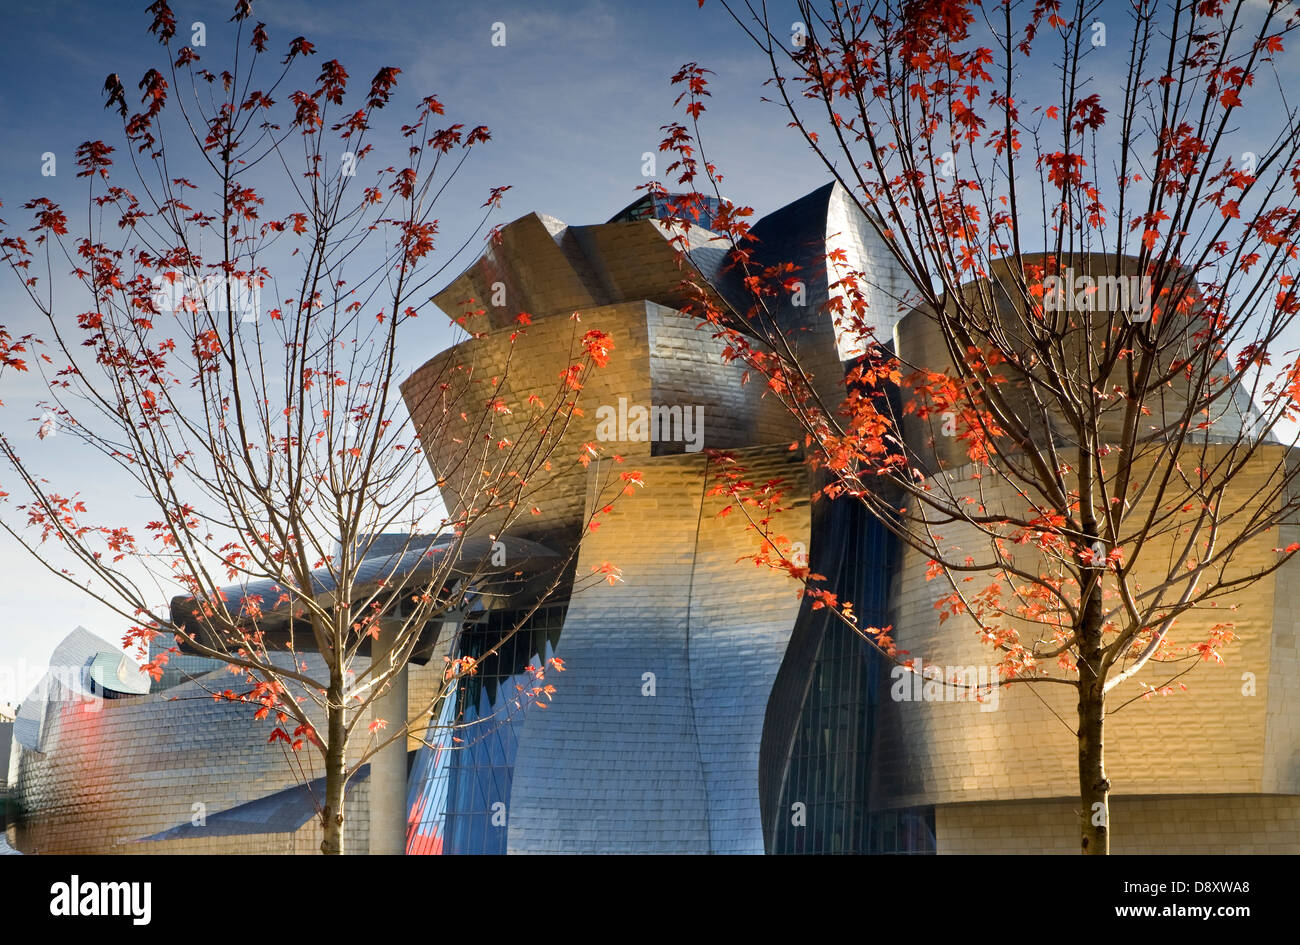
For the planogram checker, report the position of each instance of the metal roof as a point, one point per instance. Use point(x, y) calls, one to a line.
point(284, 811)
point(276, 604)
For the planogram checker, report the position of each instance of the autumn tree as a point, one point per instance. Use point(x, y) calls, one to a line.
point(224, 335)
point(1082, 428)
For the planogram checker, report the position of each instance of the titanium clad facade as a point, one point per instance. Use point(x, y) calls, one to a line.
point(147, 773)
point(704, 707)
point(652, 743)
point(689, 713)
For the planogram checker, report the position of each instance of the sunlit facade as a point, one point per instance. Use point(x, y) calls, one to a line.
point(706, 710)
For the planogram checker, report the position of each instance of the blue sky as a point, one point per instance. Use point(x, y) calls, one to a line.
point(574, 98)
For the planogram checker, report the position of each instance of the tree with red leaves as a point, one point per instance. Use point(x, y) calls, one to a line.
point(1080, 425)
point(235, 358)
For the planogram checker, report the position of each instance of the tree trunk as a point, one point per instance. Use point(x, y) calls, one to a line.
point(1094, 788)
point(335, 765)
